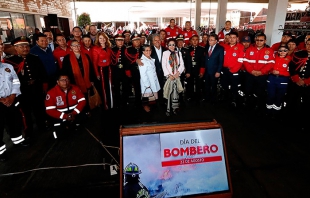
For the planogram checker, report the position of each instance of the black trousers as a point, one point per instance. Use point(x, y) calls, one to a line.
point(12, 118)
point(32, 103)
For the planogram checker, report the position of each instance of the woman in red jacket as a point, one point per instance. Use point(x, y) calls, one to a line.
point(277, 82)
point(101, 57)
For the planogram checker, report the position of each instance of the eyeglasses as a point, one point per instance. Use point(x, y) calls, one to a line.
point(171, 45)
point(260, 40)
point(282, 50)
point(64, 80)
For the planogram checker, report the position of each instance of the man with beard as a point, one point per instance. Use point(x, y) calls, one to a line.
point(92, 33)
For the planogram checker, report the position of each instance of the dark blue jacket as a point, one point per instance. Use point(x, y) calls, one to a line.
point(214, 63)
point(47, 59)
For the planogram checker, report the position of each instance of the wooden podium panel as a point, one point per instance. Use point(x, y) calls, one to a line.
point(185, 159)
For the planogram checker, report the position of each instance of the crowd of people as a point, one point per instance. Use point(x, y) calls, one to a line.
point(52, 77)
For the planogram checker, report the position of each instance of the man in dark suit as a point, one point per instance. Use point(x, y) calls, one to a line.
point(214, 59)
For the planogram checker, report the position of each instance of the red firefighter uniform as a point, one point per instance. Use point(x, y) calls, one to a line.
point(59, 103)
point(59, 55)
point(188, 34)
point(100, 58)
point(172, 33)
point(281, 65)
point(258, 63)
point(258, 59)
point(277, 85)
point(233, 57)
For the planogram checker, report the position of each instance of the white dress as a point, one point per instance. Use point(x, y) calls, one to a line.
point(148, 77)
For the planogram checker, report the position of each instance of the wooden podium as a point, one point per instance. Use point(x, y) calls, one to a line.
point(185, 159)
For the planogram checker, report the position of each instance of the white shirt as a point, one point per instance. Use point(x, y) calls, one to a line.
point(158, 52)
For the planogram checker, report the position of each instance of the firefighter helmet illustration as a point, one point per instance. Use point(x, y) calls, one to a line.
point(132, 169)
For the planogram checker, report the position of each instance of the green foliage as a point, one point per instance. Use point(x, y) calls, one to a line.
point(84, 19)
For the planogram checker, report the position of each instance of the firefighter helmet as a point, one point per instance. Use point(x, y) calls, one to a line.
point(132, 169)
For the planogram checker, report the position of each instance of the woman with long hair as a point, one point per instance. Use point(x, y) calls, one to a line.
point(101, 58)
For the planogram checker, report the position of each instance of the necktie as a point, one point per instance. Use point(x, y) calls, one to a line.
point(210, 51)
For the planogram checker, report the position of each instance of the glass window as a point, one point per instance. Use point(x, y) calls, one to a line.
point(30, 24)
point(18, 24)
point(6, 30)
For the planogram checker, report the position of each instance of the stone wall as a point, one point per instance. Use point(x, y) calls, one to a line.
point(43, 7)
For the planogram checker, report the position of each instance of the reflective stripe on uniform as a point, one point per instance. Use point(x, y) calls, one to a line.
point(81, 99)
point(50, 107)
point(266, 62)
point(18, 139)
point(249, 61)
point(2, 149)
point(61, 115)
point(16, 81)
point(55, 136)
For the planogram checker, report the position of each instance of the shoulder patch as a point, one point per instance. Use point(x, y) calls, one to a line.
point(47, 97)
point(7, 70)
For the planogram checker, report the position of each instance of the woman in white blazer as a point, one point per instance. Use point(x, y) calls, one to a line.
point(173, 66)
point(148, 77)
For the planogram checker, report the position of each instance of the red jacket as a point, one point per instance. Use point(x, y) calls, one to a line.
point(86, 51)
point(281, 64)
point(172, 33)
point(259, 60)
point(59, 55)
point(233, 57)
point(188, 34)
point(275, 46)
point(100, 57)
point(58, 103)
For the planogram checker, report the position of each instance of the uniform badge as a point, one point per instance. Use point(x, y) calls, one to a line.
point(7, 70)
point(251, 53)
point(185, 34)
point(224, 52)
point(284, 65)
point(266, 56)
point(59, 101)
point(73, 92)
point(168, 33)
point(177, 32)
point(234, 54)
point(267, 52)
point(104, 61)
point(47, 97)
point(236, 48)
point(74, 97)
